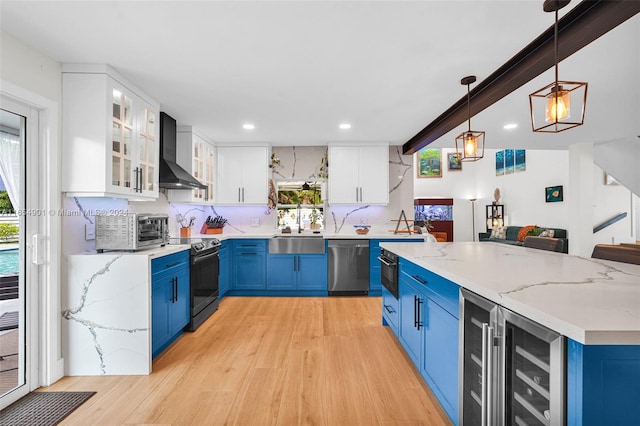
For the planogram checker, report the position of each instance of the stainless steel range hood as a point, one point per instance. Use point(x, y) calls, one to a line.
point(172, 176)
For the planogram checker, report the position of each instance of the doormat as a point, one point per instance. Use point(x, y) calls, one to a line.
point(42, 408)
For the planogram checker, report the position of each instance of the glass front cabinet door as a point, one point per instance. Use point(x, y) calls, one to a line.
point(110, 129)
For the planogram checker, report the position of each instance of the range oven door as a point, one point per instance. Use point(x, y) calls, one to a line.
point(389, 272)
point(204, 281)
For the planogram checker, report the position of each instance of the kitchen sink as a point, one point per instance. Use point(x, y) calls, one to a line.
point(296, 244)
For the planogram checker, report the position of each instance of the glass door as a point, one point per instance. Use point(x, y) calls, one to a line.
point(18, 328)
point(534, 378)
point(478, 371)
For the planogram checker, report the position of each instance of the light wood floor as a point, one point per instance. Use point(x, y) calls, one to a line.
point(271, 361)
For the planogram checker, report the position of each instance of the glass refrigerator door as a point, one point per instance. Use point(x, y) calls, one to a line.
point(534, 383)
point(476, 314)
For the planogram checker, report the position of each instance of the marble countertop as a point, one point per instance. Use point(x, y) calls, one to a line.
point(150, 252)
point(592, 301)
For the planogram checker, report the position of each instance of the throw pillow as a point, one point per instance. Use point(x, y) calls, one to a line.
point(547, 233)
point(499, 232)
point(524, 231)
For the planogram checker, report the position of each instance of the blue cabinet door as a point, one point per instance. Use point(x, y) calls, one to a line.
point(603, 384)
point(390, 310)
point(224, 275)
point(161, 293)
point(181, 306)
point(249, 271)
point(440, 356)
point(249, 264)
point(281, 272)
point(411, 307)
point(312, 272)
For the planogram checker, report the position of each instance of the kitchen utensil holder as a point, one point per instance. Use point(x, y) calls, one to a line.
point(185, 232)
point(214, 231)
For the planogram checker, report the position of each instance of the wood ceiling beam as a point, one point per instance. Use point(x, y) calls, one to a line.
point(583, 24)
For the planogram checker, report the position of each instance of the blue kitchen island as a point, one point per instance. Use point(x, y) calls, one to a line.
point(593, 305)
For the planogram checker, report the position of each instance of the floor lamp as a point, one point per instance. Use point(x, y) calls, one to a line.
point(473, 217)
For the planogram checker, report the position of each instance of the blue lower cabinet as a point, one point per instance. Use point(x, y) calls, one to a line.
point(428, 329)
point(297, 273)
point(411, 326)
point(440, 361)
point(162, 291)
point(170, 299)
point(390, 311)
point(249, 264)
point(312, 272)
point(226, 271)
point(603, 384)
point(281, 272)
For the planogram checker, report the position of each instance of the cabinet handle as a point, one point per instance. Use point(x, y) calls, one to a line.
point(420, 280)
point(243, 194)
point(249, 253)
point(360, 194)
point(388, 308)
point(419, 323)
point(171, 265)
point(140, 171)
point(173, 290)
point(176, 284)
point(415, 311)
point(135, 185)
point(238, 194)
point(487, 385)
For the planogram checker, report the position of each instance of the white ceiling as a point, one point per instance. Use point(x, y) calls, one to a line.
point(297, 69)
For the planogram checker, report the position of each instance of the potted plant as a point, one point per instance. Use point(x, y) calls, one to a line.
point(314, 217)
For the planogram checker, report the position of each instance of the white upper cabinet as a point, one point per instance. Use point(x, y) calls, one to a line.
point(110, 135)
point(242, 175)
point(197, 156)
point(359, 174)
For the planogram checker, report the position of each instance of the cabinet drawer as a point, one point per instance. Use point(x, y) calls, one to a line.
point(169, 264)
point(250, 246)
point(391, 309)
point(440, 290)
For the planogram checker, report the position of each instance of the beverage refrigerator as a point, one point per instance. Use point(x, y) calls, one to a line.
point(512, 370)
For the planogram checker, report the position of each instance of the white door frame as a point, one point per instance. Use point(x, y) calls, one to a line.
point(46, 362)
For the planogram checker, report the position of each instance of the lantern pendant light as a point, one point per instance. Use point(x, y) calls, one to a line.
point(471, 142)
point(551, 107)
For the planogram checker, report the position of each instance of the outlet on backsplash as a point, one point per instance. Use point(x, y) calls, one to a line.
point(363, 221)
point(255, 221)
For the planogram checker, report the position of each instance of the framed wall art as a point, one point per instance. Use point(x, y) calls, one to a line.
point(429, 163)
point(454, 163)
point(521, 160)
point(499, 163)
point(509, 161)
point(553, 194)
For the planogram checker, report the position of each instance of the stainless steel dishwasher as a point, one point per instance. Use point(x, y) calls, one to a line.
point(348, 267)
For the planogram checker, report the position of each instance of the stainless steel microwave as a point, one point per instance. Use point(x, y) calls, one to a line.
point(131, 231)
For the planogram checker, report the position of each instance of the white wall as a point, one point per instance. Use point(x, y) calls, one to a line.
point(27, 67)
point(522, 193)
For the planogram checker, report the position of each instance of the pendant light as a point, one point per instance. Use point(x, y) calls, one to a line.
point(471, 142)
point(552, 106)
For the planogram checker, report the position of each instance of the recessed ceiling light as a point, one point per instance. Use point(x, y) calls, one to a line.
point(510, 126)
point(345, 126)
point(248, 126)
